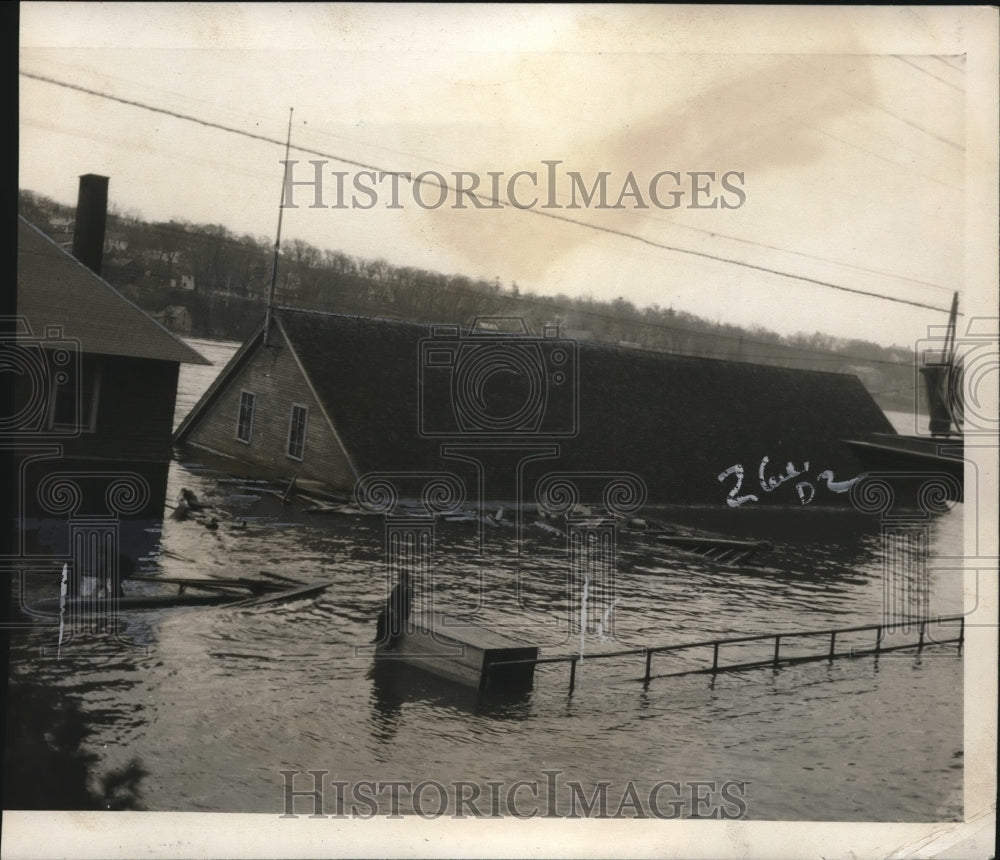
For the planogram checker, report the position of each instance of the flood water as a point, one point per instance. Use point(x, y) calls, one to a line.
point(214, 702)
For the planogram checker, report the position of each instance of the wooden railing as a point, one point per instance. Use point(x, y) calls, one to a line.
point(877, 647)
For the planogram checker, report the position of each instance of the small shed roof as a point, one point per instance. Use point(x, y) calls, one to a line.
point(56, 289)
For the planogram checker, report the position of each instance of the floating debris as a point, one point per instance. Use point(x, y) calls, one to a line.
point(545, 527)
point(463, 517)
point(243, 498)
point(344, 510)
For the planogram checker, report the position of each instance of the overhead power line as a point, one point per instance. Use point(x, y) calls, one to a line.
point(496, 201)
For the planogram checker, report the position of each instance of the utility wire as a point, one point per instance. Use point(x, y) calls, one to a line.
point(191, 231)
point(501, 202)
point(888, 112)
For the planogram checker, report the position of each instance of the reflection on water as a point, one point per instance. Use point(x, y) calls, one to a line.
point(214, 702)
point(48, 764)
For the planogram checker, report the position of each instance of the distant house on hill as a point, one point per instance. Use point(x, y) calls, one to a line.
point(333, 398)
point(115, 243)
point(94, 395)
point(175, 318)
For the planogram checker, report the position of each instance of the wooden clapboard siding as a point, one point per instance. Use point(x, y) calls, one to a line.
point(275, 378)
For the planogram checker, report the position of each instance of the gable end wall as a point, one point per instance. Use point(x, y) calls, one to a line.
point(273, 376)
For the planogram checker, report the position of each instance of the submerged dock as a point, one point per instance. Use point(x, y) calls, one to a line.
point(459, 650)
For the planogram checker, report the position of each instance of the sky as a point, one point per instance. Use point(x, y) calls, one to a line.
point(843, 149)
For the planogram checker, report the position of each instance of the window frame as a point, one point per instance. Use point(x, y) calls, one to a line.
point(239, 416)
point(305, 426)
point(88, 373)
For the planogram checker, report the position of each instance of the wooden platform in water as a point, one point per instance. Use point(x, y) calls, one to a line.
point(462, 651)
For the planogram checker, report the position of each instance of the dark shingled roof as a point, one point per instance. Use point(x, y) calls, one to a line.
point(677, 421)
point(55, 289)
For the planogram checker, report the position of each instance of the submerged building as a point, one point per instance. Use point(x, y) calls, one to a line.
point(336, 398)
point(95, 382)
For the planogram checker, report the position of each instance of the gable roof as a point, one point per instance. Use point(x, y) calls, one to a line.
point(365, 373)
point(677, 421)
point(660, 415)
point(56, 289)
point(239, 358)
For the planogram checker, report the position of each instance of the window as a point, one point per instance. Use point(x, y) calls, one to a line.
point(74, 395)
point(297, 432)
point(244, 424)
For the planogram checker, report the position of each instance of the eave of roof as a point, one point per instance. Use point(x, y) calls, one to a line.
point(54, 289)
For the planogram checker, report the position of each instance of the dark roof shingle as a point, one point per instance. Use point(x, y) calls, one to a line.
point(55, 289)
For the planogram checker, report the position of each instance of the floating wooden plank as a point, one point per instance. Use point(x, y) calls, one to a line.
point(340, 509)
point(296, 593)
point(50, 607)
point(255, 586)
point(462, 651)
point(717, 549)
point(291, 486)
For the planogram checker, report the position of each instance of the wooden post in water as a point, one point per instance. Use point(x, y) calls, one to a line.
point(920, 644)
point(777, 646)
point(572, 674)
point(878, 640)
point(649, 662)
point(715, 657)
point(833, 644)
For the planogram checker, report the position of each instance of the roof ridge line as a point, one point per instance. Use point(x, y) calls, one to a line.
point(356, 316)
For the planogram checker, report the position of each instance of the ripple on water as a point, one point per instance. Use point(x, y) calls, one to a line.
point(216, 701)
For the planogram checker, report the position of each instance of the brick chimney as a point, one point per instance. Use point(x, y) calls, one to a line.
point(91, 219)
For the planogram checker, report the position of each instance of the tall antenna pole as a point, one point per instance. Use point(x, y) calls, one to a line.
point(277, 239)
point(949, 345)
